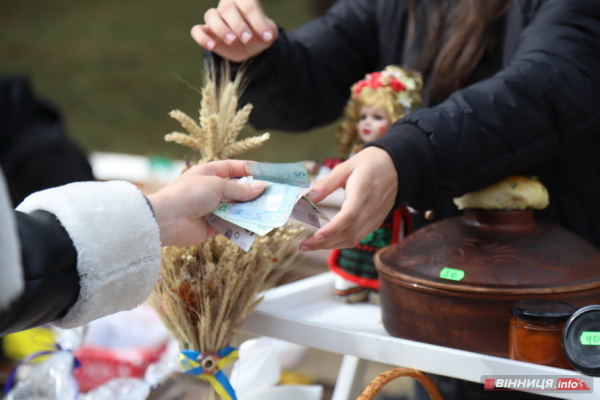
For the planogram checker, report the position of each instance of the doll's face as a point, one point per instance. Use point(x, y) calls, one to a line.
point(373, 123)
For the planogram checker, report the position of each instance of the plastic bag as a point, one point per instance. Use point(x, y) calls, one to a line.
point(159, 371)
point(134, 388)
point(121, 389)
point(120, 345)
point(53, 378)
point(139, 328)
point(50, 380)
point(256, 374)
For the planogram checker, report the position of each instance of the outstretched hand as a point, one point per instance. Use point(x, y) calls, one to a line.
point(180, 206)
point(236, 30)
point(371, 184)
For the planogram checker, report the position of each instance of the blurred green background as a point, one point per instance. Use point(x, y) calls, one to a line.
point(112, 67)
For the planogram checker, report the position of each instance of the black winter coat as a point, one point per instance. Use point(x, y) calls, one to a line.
point(35, 151)
point(49, 273)
point(534, 106)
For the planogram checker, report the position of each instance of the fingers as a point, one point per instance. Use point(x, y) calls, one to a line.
point(217, 23)
point(352, 224)
point(371, 184)
point(235, 20)
point(222, 169)
point(245, 19)
point(204, 37)
point(230, 190)
point(256, 20)
point(210, 232)
point(343, 231)
point(328, 184)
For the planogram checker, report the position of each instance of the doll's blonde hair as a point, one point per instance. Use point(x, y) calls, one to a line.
point(395, 90)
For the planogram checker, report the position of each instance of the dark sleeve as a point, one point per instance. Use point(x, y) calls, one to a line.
point(35, 151)
point(303, 80)
point(516, 121)
point(50, 272)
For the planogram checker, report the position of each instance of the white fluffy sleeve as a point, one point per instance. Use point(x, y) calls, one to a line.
point(117, 242)
point(11, 274)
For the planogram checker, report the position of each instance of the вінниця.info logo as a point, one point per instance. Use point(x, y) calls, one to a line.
point(570, 383)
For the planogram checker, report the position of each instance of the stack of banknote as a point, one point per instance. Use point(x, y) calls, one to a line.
point(242, 221)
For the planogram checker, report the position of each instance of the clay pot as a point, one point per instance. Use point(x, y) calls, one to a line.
point(506, 256)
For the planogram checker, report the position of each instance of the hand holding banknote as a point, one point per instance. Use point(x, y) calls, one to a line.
point(180, 206)
point(281, 200)
point(371, 184)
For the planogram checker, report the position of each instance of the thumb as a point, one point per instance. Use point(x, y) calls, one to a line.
point(242, 191)
point(329, 183)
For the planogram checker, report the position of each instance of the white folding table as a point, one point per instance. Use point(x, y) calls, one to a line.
point(305, 312)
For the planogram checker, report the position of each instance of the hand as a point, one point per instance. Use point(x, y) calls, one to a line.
point(180, 206)
point(371, 183)
point(236, 30)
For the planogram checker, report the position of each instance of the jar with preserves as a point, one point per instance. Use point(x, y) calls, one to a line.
point(535, 332)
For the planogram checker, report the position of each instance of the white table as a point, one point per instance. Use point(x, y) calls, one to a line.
point(305, 312)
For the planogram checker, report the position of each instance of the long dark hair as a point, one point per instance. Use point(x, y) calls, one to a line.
point(460, 32)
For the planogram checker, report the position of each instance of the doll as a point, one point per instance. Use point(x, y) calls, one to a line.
point(376, 103)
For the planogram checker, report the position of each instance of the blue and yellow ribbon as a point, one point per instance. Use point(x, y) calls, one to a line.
point(209, 366)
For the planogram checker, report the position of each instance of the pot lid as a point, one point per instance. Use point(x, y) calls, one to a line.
point(505, 252)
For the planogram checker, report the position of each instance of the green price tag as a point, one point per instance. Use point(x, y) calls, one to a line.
point(590, 338)
point(452, 274)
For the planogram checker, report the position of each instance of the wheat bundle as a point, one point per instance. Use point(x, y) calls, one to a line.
point(205, 292)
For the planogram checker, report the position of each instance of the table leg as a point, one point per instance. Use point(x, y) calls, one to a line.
point(349, 384)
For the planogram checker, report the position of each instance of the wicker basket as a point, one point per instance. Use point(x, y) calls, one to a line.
point(379, 382)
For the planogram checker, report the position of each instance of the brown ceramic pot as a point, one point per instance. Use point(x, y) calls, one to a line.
point(506, 256)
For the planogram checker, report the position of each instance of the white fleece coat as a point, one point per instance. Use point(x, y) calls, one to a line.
point(116, 238)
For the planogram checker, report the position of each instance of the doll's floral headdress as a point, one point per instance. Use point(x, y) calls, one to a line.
point(395, 89)
point(394, 78)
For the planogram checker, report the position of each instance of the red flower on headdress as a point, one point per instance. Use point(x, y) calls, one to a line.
point(358, 87)
point(397, 86)
point(376, 80)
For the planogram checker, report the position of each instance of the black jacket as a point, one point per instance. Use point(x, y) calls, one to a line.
point(534, 108)
point(50, 273)
point(35, 151)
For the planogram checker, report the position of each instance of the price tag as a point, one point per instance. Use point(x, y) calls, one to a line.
point(452, 274)
point(588, 338)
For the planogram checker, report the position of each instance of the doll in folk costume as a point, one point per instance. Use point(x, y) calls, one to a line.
point(376, 103)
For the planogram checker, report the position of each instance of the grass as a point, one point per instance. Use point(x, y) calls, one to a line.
point(112, 67)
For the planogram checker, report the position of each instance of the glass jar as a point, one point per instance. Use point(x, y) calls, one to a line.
point(535, 332)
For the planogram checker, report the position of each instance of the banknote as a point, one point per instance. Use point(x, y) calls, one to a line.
point(305, 211)
point(290, 174)
point(236, 234)
point(315, 209)
point(281, 200)
point(272, 208)
point(257, 228)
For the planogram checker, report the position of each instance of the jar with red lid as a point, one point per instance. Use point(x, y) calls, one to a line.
point(535, 333)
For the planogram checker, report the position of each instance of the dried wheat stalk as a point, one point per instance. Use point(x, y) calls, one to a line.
point(215, 137)
point(206, 292)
